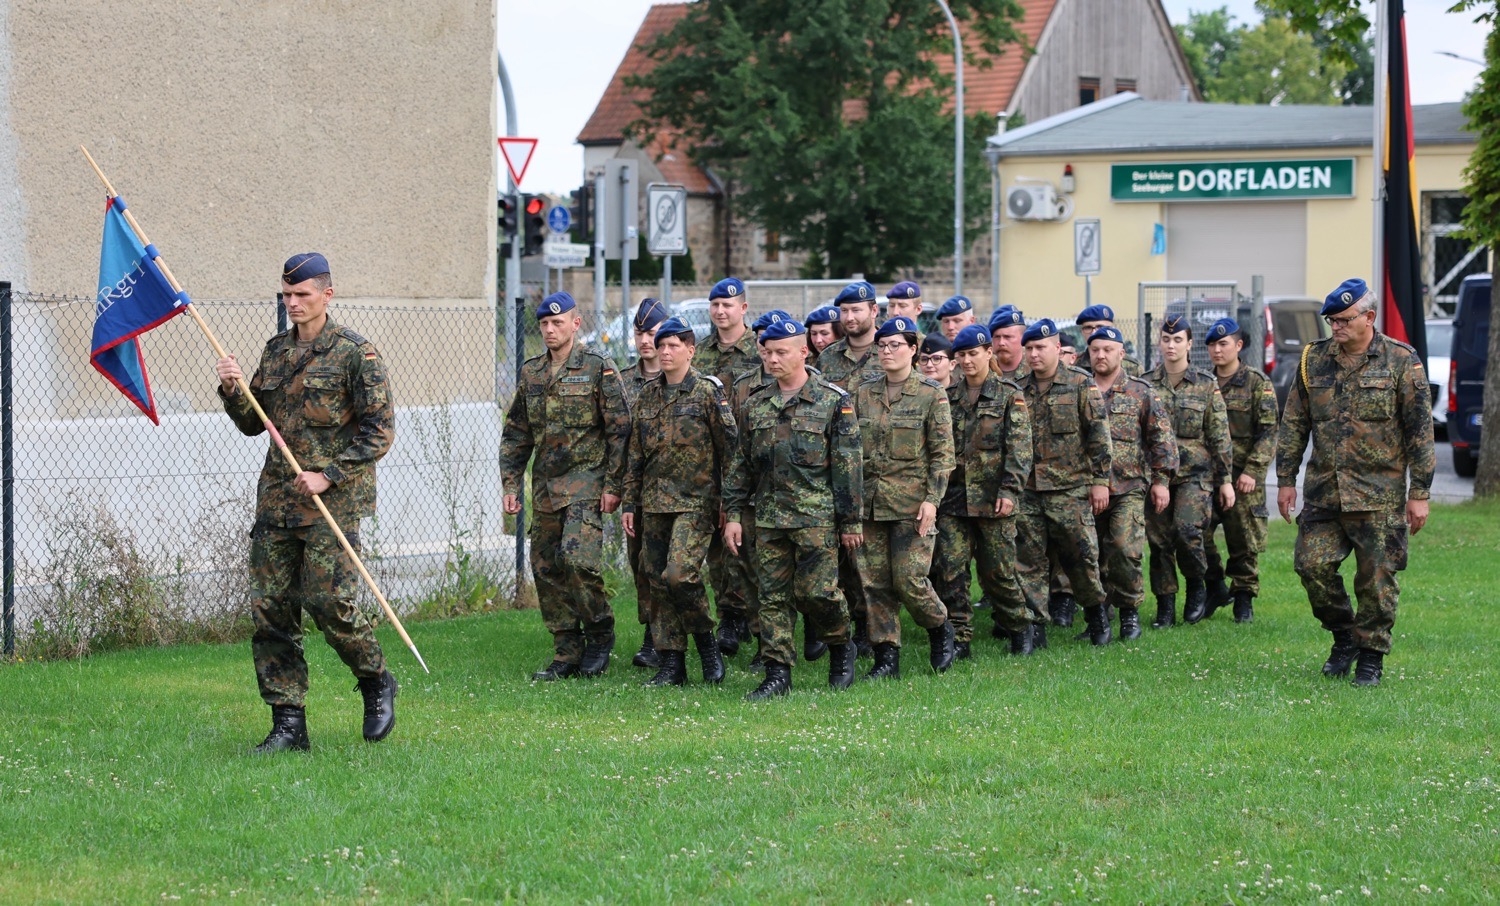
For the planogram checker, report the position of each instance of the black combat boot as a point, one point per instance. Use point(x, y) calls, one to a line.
point(862, 637)
point(813, 649)
point(288, 731)
point(1343, 653)
point(999, 632)
point(1039, 636)
point(1196, 606)
point(1130, 623)
point(596, 649)
point(555, 671)
point(887, 662)
point(729, 636)
point(1244, 612)
point(1166, 612)
point(962, 651)
point(380, 705)
point(673, 670)
point(758, 663)
point(1369, 669)
point(646, 657)
point(1099, 631)
point(1062, 608)
point(1218, 596)
point(778, 681)
point(841, 665)
point(1023, 642)
point(943, 651)
point(712, 657)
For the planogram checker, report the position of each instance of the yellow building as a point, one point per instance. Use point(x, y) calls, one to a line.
point(1214, 193)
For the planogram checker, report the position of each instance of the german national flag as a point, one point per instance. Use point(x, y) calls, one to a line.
point(1404, 310)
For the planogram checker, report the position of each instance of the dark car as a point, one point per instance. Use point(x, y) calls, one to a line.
point(1291, 323)
point(1471, 341)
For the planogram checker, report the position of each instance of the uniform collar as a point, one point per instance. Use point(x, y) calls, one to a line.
point(322, 342)
point(1376, 347)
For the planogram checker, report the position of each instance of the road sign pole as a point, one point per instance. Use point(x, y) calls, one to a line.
point(624, 241)
point(1088, 290)
point(599, 215)
point(666, 285)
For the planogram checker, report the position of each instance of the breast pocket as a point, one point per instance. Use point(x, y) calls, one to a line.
point(1188, 418)
point(689, 424)
point(809, 444)
point(1063, 413)
point(1241, 415)
point(1124, 420)
point(762, 433)
point(322, 395)
point(572, 405)
point(1375, 400)
point(1320, 399)
point(989, 432)
point(906, 438)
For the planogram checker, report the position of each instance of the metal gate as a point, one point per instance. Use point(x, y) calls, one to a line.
point(1202, 302)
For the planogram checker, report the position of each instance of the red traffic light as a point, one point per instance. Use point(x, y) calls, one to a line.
point(534, 205)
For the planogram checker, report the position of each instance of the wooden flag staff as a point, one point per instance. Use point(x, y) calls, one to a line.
point(276, 438)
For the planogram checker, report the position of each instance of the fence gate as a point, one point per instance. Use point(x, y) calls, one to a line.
point(1203, 302)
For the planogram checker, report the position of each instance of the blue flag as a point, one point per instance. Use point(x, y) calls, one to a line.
point(134, 296)
point(1158, 239)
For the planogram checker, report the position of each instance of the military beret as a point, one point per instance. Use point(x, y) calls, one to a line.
point(783, 330)
point(555, 304)
point(971, 337)
point(674, 327)
point(1107, 333)
point(858, 291)
point(826, 314)
point(1006, 316)
point(650, 313)
point(1224, 327)
point(1345, 296)
point(769, 318)
point(1096, 313)
point(935, 343)
point(1176, 324)
point(905, 290)
point(894, 326)
point(1041, 330)
point(303, 267)
point(728, 288)
point(955, 306)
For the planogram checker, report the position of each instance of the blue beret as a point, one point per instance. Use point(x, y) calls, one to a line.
point(934, 343)
point(894, 326)
point(1041, 330)
point(555, 304)
point(769, 318)
point(827, 314)
point(1224, 327)
point(674, 327)
point(957, 305)
point(971, 337)
point(1347, 293)
point(1006, 316)
point(859, 291)
point(1096, 313)
point(1175, 324)
point(303, 267)
point(649, 314)
point(728, 288)
point(905, 290)
point(783, 330)
point(1108, 333)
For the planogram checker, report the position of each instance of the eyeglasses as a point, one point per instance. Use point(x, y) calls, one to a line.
point(929, 359)
point(893, 345)
point(1335, 322)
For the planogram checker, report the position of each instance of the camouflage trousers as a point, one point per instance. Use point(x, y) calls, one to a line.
point(293, 570)
point(797, 570)
point(991, 543)
point(673, 548)
point(1060, 521)
point(642, 587)
point(1244, 538)
point(894, 562)
point(728, 580)
point(566, 550)
point(1122, 542)
point(1378, 542)
point(851, 585)
point(1176, 537)
point(740, 571)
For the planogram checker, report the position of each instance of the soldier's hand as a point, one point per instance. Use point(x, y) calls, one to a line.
point(229, 374)
point(310, 483)
point(1226, 496)
point(1161, 497)
point(609, 503)
point(1099, 499)
point(511, 504)
point(1286, 501)
point(926, 518)
point(1416, 514)
point(734, 533)
point(627, 519)
point(1004, 506)
point(1244, 484)
point(851, 540)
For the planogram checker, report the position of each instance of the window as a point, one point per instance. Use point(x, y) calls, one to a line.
point(772, 246)
point(1124, 85)
point(1446, 257)
point(1088, 91)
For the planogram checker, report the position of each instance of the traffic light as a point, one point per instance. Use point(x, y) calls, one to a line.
point(509, 221)
point(582, 211)
point(534, 217)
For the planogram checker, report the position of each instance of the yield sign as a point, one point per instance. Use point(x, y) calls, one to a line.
point(517, 150)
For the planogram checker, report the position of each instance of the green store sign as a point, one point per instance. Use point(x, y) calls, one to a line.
point(1249, 180)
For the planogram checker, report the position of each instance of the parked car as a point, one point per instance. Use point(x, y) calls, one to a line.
point(1291, 322)
point(1471, 341)
point(1439, 363)
point(695, 313)
point(617, 337)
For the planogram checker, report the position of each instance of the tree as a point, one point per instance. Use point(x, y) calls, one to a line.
point(827, 117)
point(1209, 40)
point(1270, 63)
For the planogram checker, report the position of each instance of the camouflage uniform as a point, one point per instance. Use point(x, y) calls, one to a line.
point(1070, 454)
point(798, 463)
point(1016, 374)
point(908, 453)
point(1144, 450)
point(838, 365)
point(331, 403)
point(992, 450)
point(632, 380)
point(740, 571)
point(732, 596)
point(1369, 424)
point(576, 420)
point(1250, 402)
point(680, 442)
point(1204, 455)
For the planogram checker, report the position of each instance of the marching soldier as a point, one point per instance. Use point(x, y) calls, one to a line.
point(954, 315)
point(798, 462)
point(1096, 316)
point(649, 314)
point(570, 411)
point(1361, 399)
point(1205, 454)
point(935, 359)
point(907, 436)
point(1007, 326)
point(681, 438)
point(904, 301)
point(1250, 403)
point(822, 329)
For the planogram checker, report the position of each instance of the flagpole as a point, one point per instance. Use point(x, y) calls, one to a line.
point(276, 438)
point(1382, 119)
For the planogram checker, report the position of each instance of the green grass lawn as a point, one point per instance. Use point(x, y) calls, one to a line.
point(1200, 764)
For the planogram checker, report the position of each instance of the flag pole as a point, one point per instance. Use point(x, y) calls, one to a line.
point(276, 438)
point(1378, 153)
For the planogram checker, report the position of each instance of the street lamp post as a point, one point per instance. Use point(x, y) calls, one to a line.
point(958, 151)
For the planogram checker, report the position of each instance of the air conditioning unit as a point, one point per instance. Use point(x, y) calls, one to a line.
point(1033, 201)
